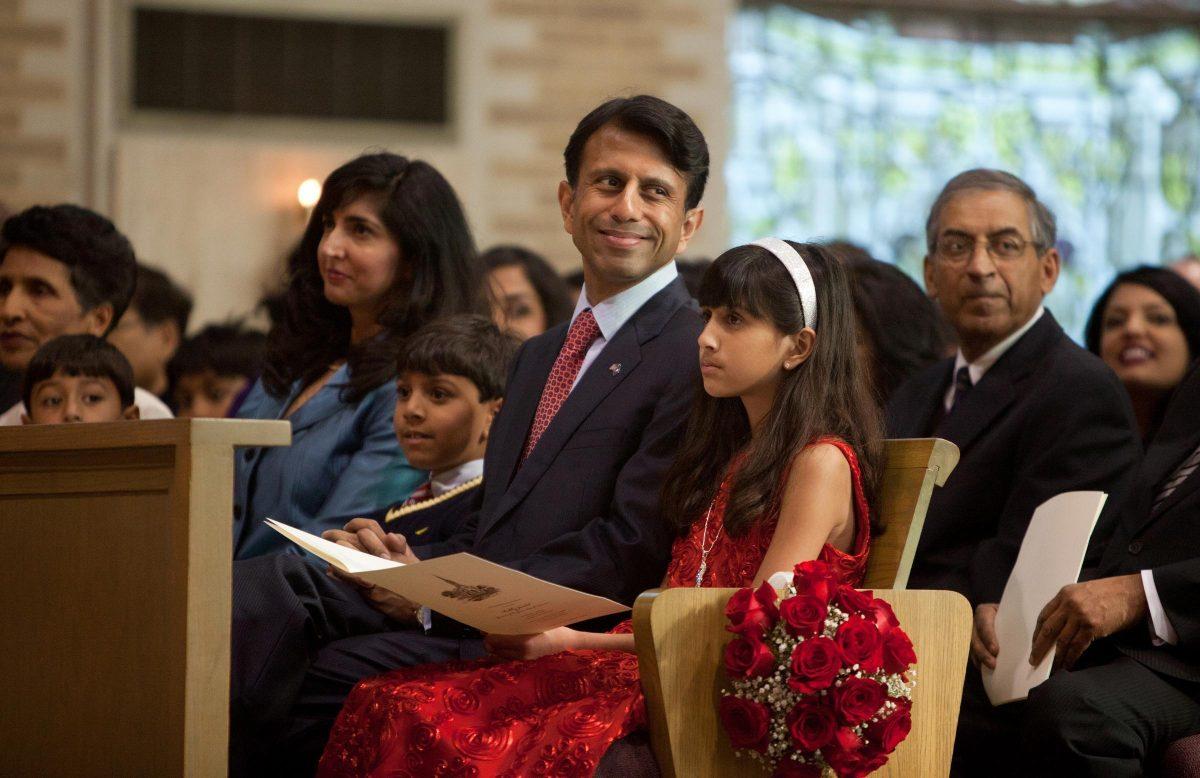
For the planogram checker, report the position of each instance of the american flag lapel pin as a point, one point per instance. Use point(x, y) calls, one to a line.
point(614, 368)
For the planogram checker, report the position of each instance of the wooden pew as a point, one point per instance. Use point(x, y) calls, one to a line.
point(115, 579)
point(681, 636)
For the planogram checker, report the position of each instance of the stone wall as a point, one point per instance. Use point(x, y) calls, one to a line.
point(212, 201)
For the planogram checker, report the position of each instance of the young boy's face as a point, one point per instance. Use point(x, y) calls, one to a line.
point(440, 420)
point(64, 399)
point(207, 395)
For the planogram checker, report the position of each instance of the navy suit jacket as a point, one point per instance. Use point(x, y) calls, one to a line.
point(1047, 417)
point(1166, 539)
point(583, 510)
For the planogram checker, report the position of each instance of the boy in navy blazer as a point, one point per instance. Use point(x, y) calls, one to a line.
point(449, 387)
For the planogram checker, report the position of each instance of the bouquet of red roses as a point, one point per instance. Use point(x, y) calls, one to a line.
point(822, 681)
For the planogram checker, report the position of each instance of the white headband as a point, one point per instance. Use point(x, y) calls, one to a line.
point(798, 270)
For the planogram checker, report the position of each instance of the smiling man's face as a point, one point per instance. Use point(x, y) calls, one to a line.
point(626, 214)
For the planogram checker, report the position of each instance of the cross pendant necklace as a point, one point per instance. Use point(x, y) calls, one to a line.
point(704, 552)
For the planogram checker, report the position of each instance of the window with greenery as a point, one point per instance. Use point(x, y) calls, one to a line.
point(848, 130)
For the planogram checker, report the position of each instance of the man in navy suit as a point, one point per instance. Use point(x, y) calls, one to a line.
point(1033, 414)
point(574, 465)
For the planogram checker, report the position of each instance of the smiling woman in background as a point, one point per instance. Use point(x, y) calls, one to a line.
point(528, 297)
point(387, 249)
point(1146, 327)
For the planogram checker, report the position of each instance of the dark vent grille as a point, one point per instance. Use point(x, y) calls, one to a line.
point(287, 66)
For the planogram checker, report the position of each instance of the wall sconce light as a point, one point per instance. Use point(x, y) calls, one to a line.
point(307, 194)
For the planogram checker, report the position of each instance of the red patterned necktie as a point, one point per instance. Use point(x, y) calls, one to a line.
point(580, 337)
point(424, 492)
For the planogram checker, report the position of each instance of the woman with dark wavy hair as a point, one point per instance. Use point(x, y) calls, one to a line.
point(386, 250)
point(1146, 327)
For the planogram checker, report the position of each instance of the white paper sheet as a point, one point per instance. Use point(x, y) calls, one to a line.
point(490, 597)
point(1050, 558)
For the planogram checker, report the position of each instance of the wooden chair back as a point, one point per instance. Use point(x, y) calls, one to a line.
point(681, 635)
point(912, 467)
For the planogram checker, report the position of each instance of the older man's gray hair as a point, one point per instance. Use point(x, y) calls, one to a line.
point(1041, 220)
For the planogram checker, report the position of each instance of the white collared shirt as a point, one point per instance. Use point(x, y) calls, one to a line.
point(612, 314)
point(984, 363)
point(445, 480)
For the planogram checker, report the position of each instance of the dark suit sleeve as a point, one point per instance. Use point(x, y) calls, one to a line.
point(1178, 588)
point(1081, 438)
point(621, 554)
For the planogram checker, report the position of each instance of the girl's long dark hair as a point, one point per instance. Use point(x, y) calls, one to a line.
point(826, 395)
point(440, 274)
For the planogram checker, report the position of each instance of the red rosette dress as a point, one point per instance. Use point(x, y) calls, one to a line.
point(551, 716)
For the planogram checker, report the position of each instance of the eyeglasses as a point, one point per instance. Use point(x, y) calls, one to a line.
point(957, 249)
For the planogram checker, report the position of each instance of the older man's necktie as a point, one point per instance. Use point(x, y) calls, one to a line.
point(962, 386)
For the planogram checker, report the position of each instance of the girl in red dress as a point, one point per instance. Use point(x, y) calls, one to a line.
point(778, 465)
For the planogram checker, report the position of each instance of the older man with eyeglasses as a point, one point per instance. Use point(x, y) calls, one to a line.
point(1032, 413)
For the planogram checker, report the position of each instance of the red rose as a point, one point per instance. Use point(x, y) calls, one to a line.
point(858, 699)
point(815, 663)
point(748, 656)
point(891, 731)
point(803, 615)
point(815, 578)
point(752, 610)
point(845, 754)
point(789, 768)
point(861, 643)
point(746, 722)
point(898, 653)
point(853, 600)
point(885, 617)
point(812, 724)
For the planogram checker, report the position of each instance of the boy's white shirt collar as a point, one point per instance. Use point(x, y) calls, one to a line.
point(444, 481)
point(984, 363)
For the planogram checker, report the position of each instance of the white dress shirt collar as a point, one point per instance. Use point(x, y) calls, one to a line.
point(611, 314)
point(984, 363)
point(458, 475)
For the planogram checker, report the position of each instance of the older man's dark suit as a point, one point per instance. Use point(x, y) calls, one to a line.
point(1047, 417)
point(581, 511)
point(1133, 698)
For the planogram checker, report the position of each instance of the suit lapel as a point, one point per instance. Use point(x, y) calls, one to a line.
point(998, 388)
point(934, 411)
point(521, 404)
point(624, 351)
point(595, 385)
point(1175, 441)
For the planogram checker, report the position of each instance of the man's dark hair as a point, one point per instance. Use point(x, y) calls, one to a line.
point(550, 287)
point(102, 263)
point(79, 355)
point(157, 298)
point(226, 349)
point(468, 345)
point(676, 135)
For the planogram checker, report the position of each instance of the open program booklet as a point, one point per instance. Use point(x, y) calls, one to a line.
point(490, 597)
